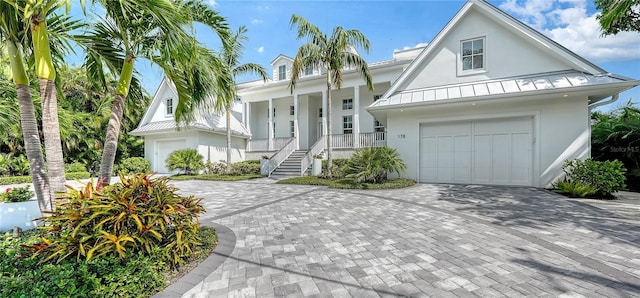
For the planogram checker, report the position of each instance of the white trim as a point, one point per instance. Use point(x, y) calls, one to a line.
point(536, 162)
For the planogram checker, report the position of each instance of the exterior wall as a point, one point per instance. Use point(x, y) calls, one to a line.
point(150, 144)
point(506, 54)
point(214, 147)
point(552, 146)
point(160, 109)
point(282, 61)
point(258, 154)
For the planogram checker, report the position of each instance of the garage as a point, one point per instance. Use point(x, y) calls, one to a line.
point(494, 151)
point(163, 149)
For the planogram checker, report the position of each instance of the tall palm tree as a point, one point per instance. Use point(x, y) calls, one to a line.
point(231, 56)
point(156, 30)
point(11, 28)
point(36, 13)
point(331, 53)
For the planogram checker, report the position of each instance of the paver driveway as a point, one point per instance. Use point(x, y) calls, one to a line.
point(423, 241)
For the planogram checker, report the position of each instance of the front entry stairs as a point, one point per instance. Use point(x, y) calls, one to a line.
point(290, 167)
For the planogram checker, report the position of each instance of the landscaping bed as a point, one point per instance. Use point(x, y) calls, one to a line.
point(216, 177)
point(346, 183)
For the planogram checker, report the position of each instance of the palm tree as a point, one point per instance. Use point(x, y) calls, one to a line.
point(331, 53)
point(11, 28)
point(231, 56)
point(157, 31)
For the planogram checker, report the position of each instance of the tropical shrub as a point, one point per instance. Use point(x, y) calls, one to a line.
point(75, 167)
point(246, 167)
point(216, 168)
point(575, 189)
point(133, 165)
point(16, 194)
point(135, 216)
point(374, 164)
point(338, 168)
point(13, 165)
point(188, 161)
point(606, 177)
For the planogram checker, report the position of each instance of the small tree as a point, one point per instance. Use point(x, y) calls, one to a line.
point(618, 15)
point(374, 164)
point(188, 161)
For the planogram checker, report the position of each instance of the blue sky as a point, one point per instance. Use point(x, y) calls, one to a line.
point(394, 25)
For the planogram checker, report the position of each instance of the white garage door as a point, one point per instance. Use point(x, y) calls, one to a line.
point(163, 149)
point(496, 151)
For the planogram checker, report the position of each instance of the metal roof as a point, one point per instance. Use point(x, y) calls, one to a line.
point(514, 85)
point(213, 123)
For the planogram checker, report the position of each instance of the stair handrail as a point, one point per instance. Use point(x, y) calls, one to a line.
point(281, 155)
point(317, 147)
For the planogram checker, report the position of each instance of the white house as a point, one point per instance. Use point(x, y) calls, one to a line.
point(488, 101)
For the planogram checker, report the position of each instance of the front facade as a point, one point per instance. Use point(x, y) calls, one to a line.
point(488, 101)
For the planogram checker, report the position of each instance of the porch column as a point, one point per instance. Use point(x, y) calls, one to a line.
point(271, 124)
point(296, 120)
point(247, 115)
point(356, 116)
point(324, 112)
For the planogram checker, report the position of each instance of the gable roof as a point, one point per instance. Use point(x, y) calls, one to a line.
point(281, 56)
point(212, 123)
point(506, 20)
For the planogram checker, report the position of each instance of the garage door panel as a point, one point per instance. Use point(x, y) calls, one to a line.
point(164, 149)
point(496, 151)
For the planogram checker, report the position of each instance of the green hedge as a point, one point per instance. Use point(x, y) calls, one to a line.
point(27, 179)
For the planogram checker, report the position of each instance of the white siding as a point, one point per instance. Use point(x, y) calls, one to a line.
point(213, 147)
point(506, 54)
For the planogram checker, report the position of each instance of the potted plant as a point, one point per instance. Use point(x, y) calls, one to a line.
point(264, 165)
point(316, 167)
point(17, 209)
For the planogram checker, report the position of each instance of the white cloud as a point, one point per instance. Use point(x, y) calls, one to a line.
point(212, 3)
point(256, 21)
point(260, 49)
point(418, 45)
point(568, 23)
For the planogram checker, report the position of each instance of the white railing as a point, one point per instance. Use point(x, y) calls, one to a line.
point(342, 141)
point(318, 147)
point(373, 139)
point(282, 155)
point(368, 139)
point(263, 144)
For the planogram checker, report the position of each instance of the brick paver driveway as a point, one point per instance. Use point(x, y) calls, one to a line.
point(423, 241)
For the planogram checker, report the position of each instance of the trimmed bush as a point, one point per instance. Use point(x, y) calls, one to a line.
point(245, 168)
point(133, 165)
point(337, 169)
point(15, 180)
point(74, 167)
point(188, 161)
point(216, 168)
point(606, 177)
point(16, 194)
point(135, 216)
point(374, 164)
point(77, 175)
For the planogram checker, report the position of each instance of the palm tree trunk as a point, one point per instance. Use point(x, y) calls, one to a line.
point(50, 125)
point(29, 128)
point(115, 121)
point(329, 141)
point(228, 140)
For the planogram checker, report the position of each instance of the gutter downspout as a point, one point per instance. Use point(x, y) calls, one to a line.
point(606, 102)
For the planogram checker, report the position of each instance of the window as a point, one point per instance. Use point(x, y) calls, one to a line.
point(169, 106)
point(308, 70)
point(320, 112)
point(377, 126)
point(347, 104)
point(292, 110)
point(282, 72)
point(376, 97)
point(347, 124)
point(292, 128)
point(473, 54)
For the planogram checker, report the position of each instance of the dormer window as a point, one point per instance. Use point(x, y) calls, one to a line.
point(473, 54)
point(169, 104)
point(308, 70)
point(282, 72)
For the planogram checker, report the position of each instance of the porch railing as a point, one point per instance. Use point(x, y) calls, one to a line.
point(369, 139)
point(318, 147)
point(282, 154)
point(263, 144)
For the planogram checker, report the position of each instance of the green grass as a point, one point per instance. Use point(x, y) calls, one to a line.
point(347, 183)
point(216, 177)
